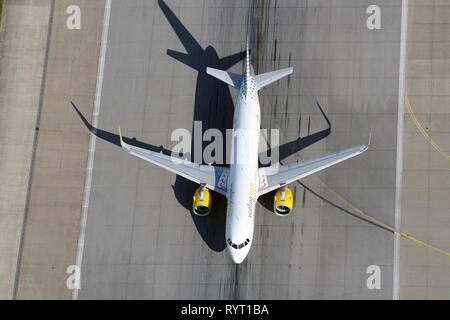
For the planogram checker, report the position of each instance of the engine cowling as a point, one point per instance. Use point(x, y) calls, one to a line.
point(201, 202)
point(283, 201)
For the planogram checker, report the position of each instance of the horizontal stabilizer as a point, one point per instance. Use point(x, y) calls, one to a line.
point(230, 78)
point(265, 79)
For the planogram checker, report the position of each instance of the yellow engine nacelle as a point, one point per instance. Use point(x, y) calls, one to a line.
point(201, 202)
point(283, 201)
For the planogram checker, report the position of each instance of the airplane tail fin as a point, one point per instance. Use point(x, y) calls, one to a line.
point(265, 79)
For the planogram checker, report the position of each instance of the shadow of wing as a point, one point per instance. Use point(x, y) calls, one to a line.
point(292, 147)
point(115, 138)
point(289, 148)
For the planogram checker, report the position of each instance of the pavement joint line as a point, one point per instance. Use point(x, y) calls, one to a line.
point(399, 161)
point(33, 153)
point(90, 165)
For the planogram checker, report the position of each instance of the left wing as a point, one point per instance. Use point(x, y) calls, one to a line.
point(285, 174)
point(214, 177)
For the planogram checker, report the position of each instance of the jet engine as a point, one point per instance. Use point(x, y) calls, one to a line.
point(283, 201)
point(201, 202)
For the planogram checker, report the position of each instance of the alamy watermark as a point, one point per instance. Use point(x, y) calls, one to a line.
point(74, 279)
point(374, 280)
point(73, 22)
point(234, 146)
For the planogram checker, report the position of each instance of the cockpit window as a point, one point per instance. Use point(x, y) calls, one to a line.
point(238, 246)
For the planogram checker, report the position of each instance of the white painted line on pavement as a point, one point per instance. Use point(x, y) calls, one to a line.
point(93, 139)
point(399, 165)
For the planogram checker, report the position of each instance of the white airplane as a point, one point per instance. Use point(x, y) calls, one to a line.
point(243, 182)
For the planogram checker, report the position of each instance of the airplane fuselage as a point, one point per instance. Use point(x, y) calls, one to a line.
point(243, 182)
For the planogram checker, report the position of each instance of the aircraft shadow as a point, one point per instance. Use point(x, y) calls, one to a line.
point(214, 108)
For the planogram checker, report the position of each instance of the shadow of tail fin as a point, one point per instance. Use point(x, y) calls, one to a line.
point(190, 44)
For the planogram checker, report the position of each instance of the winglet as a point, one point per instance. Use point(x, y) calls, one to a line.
point(370, 137)
point(120, 136)
point(365, 147)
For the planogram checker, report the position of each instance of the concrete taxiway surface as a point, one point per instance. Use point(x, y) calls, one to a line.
point(141, 239)
point(425, 274)
point(24, 30)
point(47, 239)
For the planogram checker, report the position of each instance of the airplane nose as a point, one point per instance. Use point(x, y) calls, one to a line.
point(238, 256)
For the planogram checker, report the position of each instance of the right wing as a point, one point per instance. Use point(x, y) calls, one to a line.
point(277, 176)
point(214, 177)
